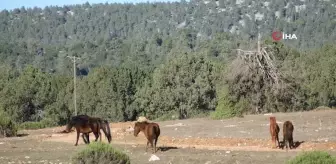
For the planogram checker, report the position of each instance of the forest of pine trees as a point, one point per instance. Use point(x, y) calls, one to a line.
point(164, 60)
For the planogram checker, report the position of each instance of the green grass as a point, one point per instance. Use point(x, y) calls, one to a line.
point(37, 125)
point(314, 157)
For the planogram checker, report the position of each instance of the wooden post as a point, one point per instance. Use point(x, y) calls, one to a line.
point(74, 74)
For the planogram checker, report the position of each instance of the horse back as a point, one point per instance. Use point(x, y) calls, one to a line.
point(288, 129)
point(152, 130)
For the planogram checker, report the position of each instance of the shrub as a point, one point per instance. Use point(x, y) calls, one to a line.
point(225, 108)
point(313, 157)
point(8, 128)
point(37, 125)
point(102, 153)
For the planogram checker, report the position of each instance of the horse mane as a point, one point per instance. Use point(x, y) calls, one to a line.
point(142, 119)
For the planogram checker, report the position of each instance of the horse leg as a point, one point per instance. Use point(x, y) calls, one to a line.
point(155, 144)
point(78, 133)
point(87, 135)
point(96, 135)
point(277, 138)
point(147, 145)
point(152, 144)
point(100, 135)
point(84, 139)
point(291, 143)
point(273, 141)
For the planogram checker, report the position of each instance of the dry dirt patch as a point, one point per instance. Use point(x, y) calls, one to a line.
point(249, 133)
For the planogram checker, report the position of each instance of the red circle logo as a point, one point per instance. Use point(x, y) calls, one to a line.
point(277, 35)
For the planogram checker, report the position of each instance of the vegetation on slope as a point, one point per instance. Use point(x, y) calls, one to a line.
point(162, 60)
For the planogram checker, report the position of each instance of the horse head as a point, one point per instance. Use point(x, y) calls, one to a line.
point(137, 129)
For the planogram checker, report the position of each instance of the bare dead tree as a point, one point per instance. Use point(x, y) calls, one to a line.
point(262, 59)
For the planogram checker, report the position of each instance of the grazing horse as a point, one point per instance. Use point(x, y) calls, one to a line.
point(151, 131)
point(85, 124)
point(274, 130)
point(288, 129)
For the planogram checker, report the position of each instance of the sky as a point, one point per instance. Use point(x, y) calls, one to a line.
point(12, 4)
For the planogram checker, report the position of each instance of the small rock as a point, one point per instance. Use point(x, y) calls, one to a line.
point(27, 157)
point(227, 152)
point(1, 143)
point(154, 158)
point(208, 162)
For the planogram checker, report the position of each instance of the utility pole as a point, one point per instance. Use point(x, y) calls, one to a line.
point(73, 58)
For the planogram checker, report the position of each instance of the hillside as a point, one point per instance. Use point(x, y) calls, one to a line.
point(164, 60)
point(61, 25)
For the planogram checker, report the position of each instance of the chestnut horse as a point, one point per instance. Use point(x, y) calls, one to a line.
point(274, 130)
point(151, 131)
point(288, 129)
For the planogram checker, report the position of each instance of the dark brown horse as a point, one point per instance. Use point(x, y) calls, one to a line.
point(104, 125)
point(86, 124)
point(288, 129)
point(150, 130)
point(274, 130)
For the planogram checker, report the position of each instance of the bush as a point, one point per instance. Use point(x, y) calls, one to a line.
point(31, 125)
point(8, 128)
point(37, 125)
point(225, 108)
point(102, 153)
point(313, 157)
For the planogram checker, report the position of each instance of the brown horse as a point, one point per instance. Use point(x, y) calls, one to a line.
point(85, 124)
point(104, 125)
point(274, 130)
point(151, 131)
point(288, 129)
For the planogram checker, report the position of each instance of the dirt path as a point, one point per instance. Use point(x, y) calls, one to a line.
point(31, 151)
point(201, 140)
point(315, 129)
point(250, 133)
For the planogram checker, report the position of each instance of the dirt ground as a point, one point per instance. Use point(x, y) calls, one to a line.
point(204, 141)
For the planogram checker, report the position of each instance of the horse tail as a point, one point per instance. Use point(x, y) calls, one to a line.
point(157, 129)
point(106, 130)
